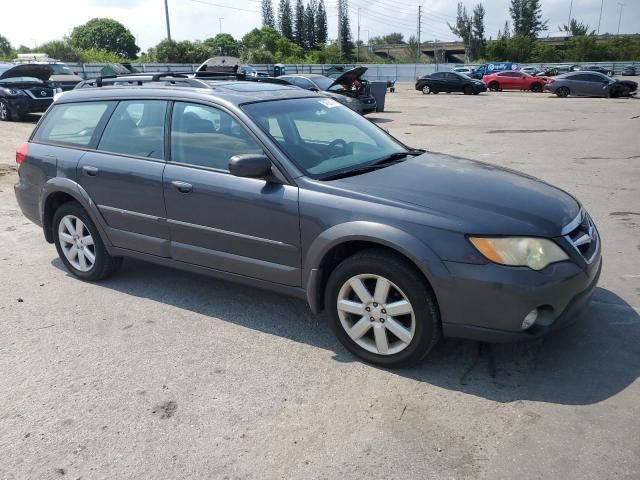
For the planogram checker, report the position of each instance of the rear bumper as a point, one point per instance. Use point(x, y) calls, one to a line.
point(27, 197)
point(490, 305)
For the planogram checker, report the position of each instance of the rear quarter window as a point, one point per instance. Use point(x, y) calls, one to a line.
point(72, 123)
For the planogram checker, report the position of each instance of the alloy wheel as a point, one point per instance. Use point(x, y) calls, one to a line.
point(4, 111)
point(376, 314)
point(77, 243)
point(426, 89)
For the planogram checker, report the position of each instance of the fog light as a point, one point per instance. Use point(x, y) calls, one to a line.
point(530, 319)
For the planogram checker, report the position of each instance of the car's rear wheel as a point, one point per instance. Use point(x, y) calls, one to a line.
point(467, 90)
point(494, 86)
point(426, 89)
point(79, 244)
point(381, 309)
point(562, 92)
point(536, 87)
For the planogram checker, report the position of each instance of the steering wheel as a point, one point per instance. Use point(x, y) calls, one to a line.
point(332, 146)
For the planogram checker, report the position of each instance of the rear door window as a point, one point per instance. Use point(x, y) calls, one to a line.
point(72, 123)
point(136, 128)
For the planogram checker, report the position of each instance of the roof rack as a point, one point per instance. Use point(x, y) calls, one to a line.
point(139, 79)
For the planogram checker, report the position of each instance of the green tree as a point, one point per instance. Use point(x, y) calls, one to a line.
point(285, 19)
point(5, 47)
point(268, 18)
point(463, 28)
point(264, 38)
point(170, 51)
point(344, 40)
point(62, 50)
point(527, 18)
point(258, 55)
point(478, 40)
point(543, 52)
point(321, 34)
point(299, 26)
point(310, 36)
point(576, 28)
point(105, 34)
point(223, 44)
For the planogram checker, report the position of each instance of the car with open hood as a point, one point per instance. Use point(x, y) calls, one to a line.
point(281, 188)
point(348, 88)
point(25, 89)
point(52, 72)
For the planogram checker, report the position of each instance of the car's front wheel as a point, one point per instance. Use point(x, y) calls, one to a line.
point(467, 90)
point(426, 89)
point(6, 112)
point(536, 87)
point(79, 244)
point(494, 86)
point(562, 92)
point(381, 309)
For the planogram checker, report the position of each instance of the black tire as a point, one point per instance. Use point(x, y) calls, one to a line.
point(426, 89)
point(476, 93)
point(536, 87)
point(562, 92)
point(406, 276)
point(467, 90)
point(6, 112)
point(494, 86)
point(104, 264)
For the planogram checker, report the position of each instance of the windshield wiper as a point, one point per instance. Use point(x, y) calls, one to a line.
point(390, 159)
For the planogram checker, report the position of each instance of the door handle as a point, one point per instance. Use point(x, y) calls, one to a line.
point(90, 171)
point(182, 187)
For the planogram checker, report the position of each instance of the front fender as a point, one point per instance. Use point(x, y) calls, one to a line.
point(409, 246)
point(80, 195)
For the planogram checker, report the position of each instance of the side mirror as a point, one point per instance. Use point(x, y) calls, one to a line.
point(314, 89)
point(250, 165)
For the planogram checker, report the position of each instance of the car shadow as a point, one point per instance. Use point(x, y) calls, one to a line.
point(380, 120)
point(587, 362)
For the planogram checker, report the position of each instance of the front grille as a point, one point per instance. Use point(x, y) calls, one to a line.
point(38, 93)
point(583, 236)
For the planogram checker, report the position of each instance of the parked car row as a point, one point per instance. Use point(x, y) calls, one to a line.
point(584, 82)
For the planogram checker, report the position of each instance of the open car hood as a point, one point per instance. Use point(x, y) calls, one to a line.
point(350, 76)
point(41, 71)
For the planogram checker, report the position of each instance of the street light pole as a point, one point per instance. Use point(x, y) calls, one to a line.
point(358, 41)
point(569, 22)
point(600, 17)
point(620, 17)
point(166, 14)
point(220, 21)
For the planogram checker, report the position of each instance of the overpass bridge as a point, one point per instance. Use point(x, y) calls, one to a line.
point(451, 52)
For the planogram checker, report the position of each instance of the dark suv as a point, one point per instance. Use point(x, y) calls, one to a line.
point(276, 187)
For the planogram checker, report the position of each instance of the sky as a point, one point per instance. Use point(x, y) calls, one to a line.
point(199, 19)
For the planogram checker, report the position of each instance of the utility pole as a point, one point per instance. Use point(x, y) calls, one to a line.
point(419, 30)
point(600, 17)
point(220, 20)
point(620, 17)
point(358, 42)
point(166, 14)
point(340, 13)
point(569, 22)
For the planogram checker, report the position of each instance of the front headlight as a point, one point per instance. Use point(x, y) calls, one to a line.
point(535, 253)
point(15, 92)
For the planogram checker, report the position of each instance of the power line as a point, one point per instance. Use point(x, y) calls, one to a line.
point(211, 4)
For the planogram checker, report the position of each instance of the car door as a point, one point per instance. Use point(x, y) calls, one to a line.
point(123, 176)
point(245, 226)
point(598, 85)
point(437, 82)
point(454, 82)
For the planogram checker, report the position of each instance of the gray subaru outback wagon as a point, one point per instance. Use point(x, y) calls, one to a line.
point(279, 188)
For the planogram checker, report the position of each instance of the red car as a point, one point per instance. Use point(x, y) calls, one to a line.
point(514, 80)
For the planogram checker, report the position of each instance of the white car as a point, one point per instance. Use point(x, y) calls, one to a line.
point(465, 70)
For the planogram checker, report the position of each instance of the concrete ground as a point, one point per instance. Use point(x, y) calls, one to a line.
point(157, 373)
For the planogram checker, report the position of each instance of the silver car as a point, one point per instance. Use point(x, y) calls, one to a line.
point(589, 84)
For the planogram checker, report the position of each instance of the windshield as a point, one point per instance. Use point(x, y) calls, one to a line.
point(321, 136)
point(322, 82)
point(60, 69)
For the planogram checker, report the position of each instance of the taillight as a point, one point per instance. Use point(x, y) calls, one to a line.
point(21, 153)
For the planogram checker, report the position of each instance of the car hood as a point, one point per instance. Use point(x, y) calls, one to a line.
point(42, 71)
point(469, 196)
point(350, 76)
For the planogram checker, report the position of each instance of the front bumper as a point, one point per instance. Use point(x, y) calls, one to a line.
point(489, 302)
point(25, 105)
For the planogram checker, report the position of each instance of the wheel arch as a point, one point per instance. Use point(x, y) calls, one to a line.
point(58, 191)
point(344, 240)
